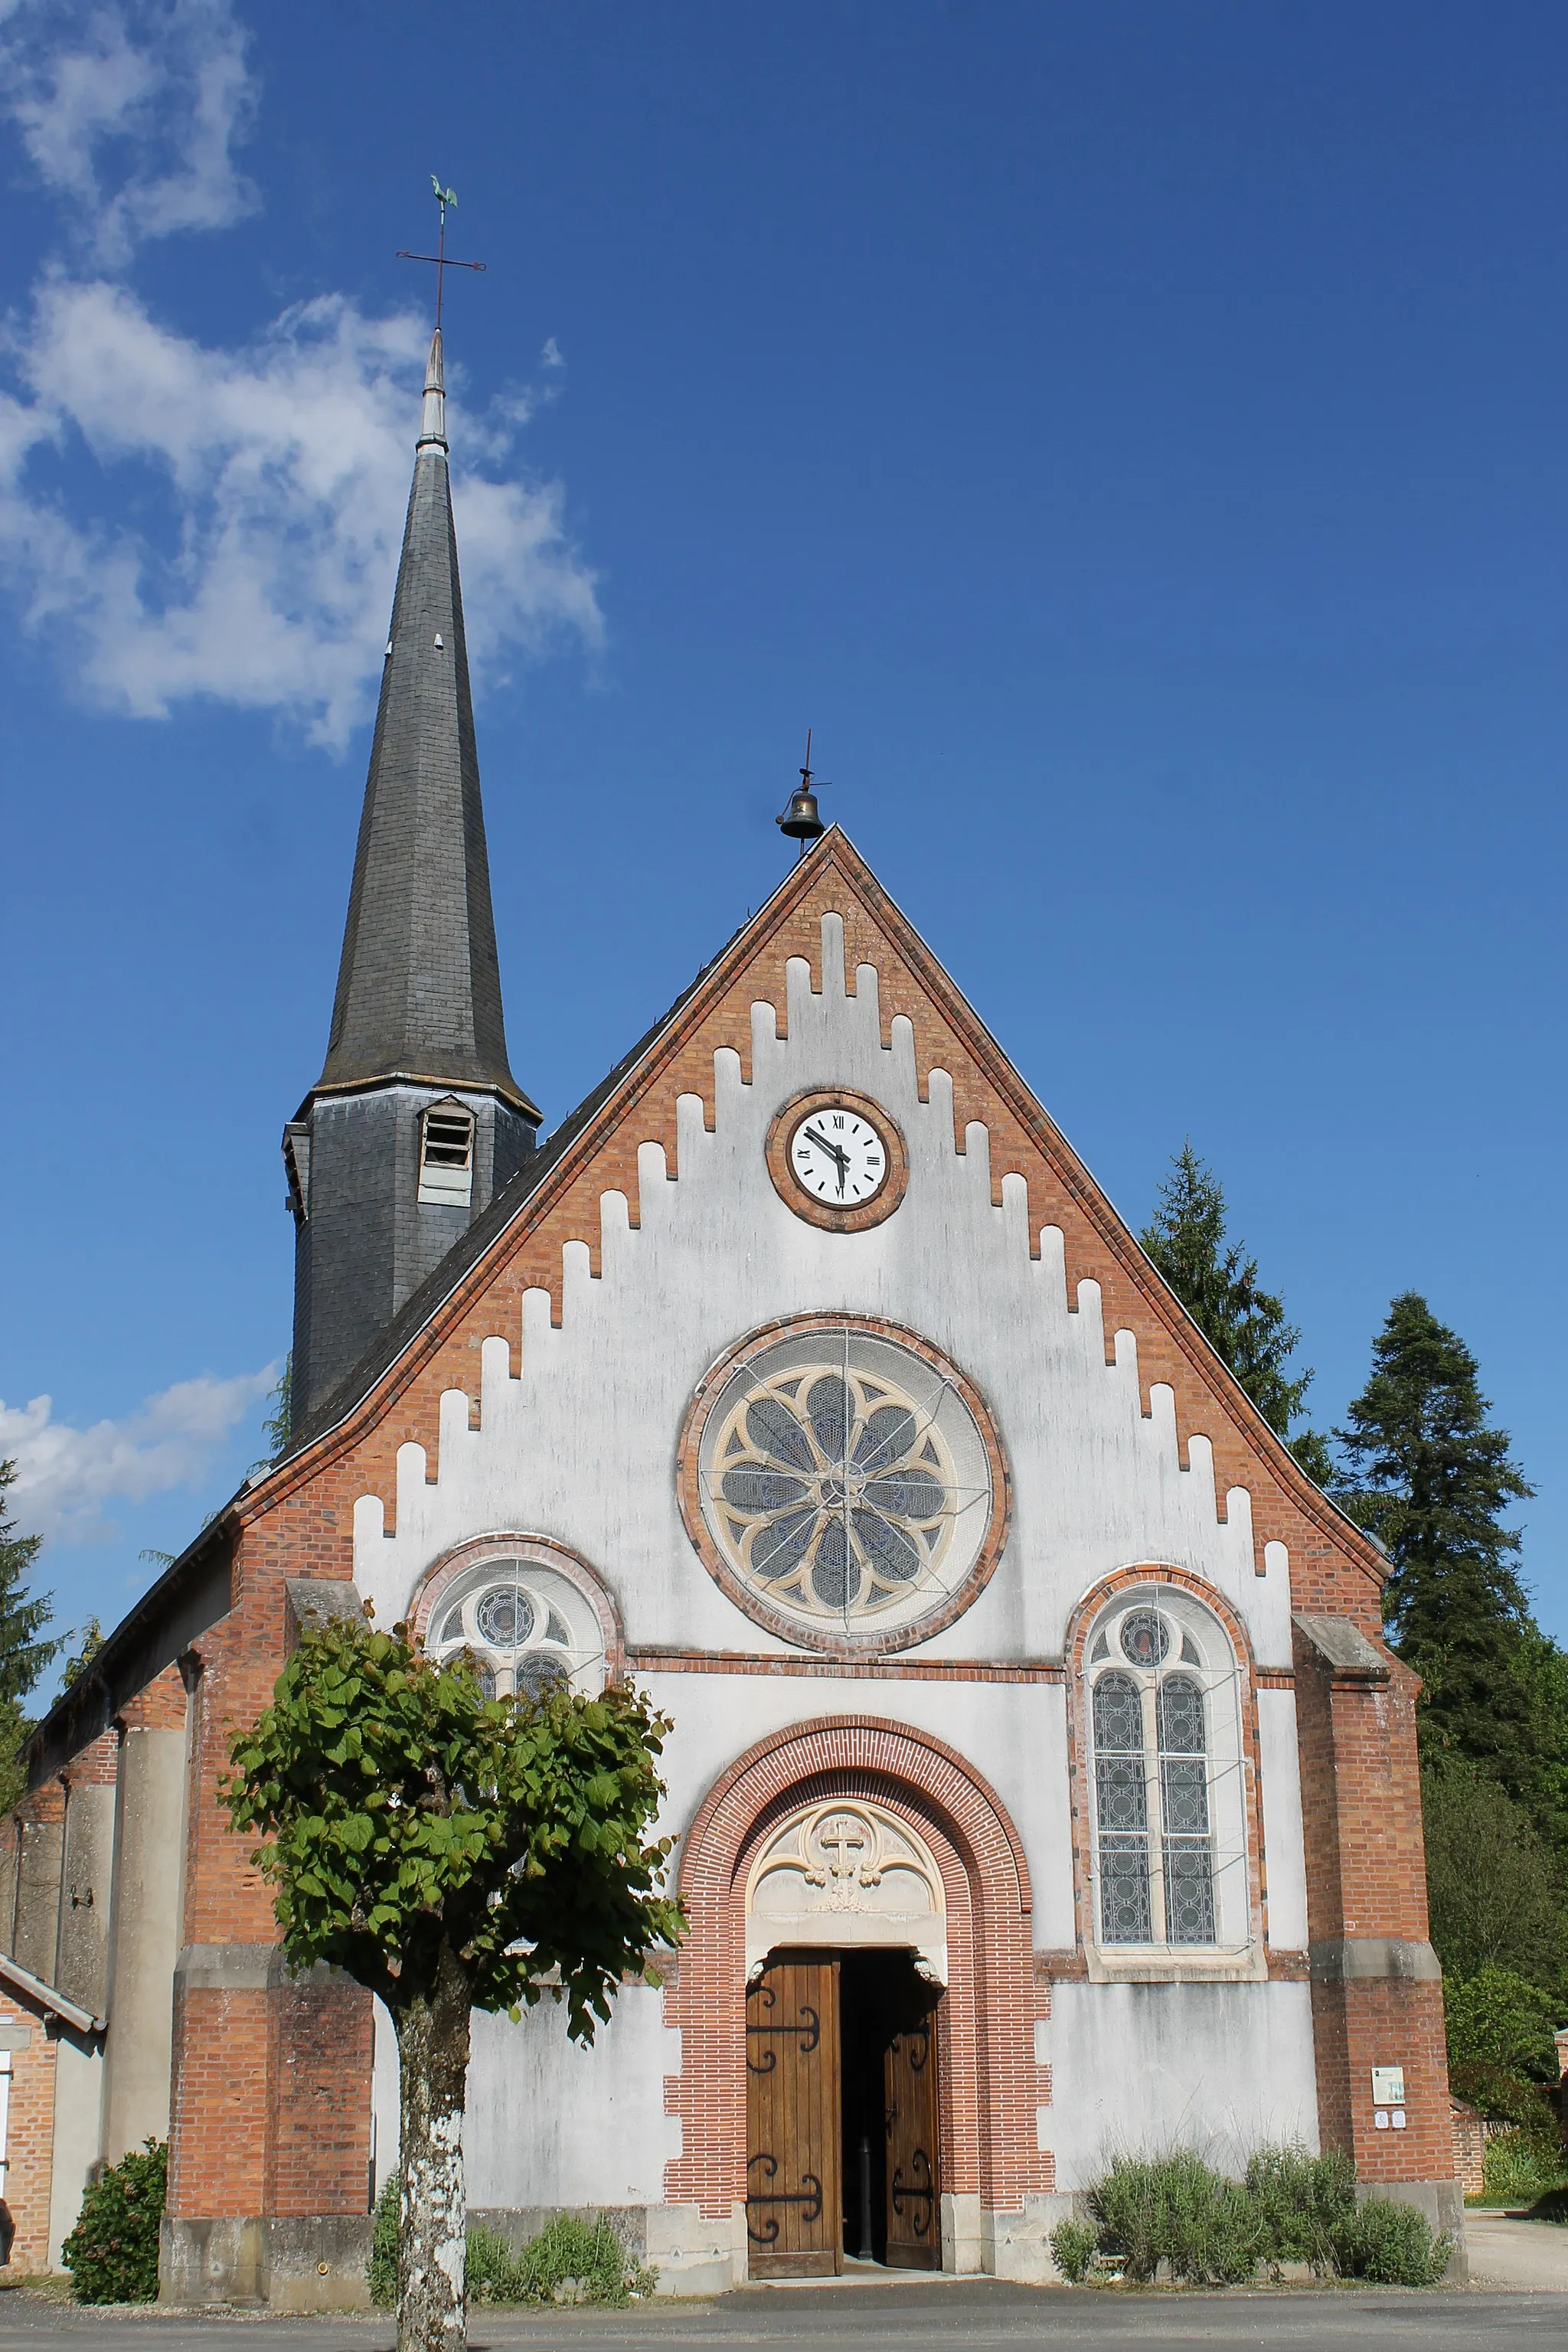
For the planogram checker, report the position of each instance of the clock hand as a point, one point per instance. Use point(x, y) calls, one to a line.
point(834, 1151)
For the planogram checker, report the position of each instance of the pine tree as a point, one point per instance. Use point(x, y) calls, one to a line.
point(24, 1658)
point(1430, 1478)
point(1218, 1284)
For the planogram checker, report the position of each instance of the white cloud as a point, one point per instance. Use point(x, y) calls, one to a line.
point(130, 111)
point(280, 471)
point(66, 1475)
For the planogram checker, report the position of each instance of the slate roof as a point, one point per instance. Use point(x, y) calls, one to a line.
point(416, 1310)
point(418, 990)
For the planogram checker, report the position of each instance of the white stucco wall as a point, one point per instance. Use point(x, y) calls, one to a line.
point(574, 1437)
point(550, 2124)
point(1138, 2069)
point(577, 1428)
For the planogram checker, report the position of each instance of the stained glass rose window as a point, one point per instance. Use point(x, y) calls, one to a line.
point(846, 1479)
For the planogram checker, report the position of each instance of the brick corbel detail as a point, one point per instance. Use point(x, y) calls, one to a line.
point(989, 2084)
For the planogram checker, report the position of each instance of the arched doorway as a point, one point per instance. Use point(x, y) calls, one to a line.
point(749, 1902)
point(846, 1958)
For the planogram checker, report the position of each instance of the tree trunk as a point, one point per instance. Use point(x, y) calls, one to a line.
point(432, 2240)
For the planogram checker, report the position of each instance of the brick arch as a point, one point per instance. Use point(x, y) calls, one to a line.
point(990, 2080)
point(864, 1743)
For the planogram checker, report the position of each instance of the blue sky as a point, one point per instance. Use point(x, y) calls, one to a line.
point(1130, 435)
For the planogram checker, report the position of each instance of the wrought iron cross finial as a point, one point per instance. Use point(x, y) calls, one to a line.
point(442, 259)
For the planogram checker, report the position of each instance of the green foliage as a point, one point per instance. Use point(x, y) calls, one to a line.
point(1499, 2095)
point(383, 2267)
point(1519, 2166)
point(1218, 1284)
point(1073, 2248)
point(1210, 2232)
point(112, 2252)
point(23, 1657)
point(88, 1639)
point(405, 1816)
point(1428, 1476)
point(278, 1427)
point(1173, 2209)
point(572, 2260)
point(582, 2261)
point(1494, 1888)
point(1304, 2203)
point(1495, 2019)
point(1392, 2245)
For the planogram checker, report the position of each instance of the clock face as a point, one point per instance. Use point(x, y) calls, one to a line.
point(839, 1157)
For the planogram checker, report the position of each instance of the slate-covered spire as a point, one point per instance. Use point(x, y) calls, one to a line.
point(415, 1122)
point(419, 987)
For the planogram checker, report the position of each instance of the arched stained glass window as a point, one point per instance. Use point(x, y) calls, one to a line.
point(1154, 1845)
point(1121, 1797)
point(526, 1624)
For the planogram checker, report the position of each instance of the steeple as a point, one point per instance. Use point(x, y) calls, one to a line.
point(415, 1120)
point(419, 986)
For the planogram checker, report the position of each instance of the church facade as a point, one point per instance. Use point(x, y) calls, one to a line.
point(1041, 1785)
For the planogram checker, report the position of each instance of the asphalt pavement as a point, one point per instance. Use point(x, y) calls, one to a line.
point(935, 2315)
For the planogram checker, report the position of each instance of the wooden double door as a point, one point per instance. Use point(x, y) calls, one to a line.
point(842, 2124)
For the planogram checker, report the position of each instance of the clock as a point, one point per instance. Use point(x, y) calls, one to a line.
point(838, 1159)
point(838, 1156)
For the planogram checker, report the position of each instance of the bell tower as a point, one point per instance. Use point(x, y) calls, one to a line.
point(415, 1122)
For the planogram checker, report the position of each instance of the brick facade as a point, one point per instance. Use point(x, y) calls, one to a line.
point(29, 2134)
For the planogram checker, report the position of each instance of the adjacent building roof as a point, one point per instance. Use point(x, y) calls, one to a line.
point(18, 1979)
point(419, 986)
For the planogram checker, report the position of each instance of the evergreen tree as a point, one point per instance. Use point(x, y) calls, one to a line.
point(1431, 1479)
point(23, 1657)
point(1218, 1284)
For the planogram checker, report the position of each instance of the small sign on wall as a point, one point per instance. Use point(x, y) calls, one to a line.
point(1388, 2087)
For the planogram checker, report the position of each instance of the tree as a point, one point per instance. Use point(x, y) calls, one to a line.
point(1431, 1479)
point(1494, 1887)
point(1218, 1284)
point(278, 1425)
point(25, 1658)
point(450, 1852)
point(1495, 2019)
point(89, 1641)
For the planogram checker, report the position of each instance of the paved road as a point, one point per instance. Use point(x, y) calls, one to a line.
point(936, 2316)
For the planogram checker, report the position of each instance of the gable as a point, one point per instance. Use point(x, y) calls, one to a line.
point(828, 945)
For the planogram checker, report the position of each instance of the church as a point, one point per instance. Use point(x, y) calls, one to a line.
point(1041, 1786)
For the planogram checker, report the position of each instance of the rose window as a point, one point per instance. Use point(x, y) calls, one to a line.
point(846, 1479)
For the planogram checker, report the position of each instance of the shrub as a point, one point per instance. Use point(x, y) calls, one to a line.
point(1391, 2246)
point(112, 2252)
point(1301, 2201)
point(1521, 2166)
point(1073, 2248)
point(1552, 2206)
point(581, 2261)
point(570, 2261)
point(383, 2267)
point(1173, 2209)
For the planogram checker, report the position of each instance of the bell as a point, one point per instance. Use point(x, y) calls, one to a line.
point(800, 821)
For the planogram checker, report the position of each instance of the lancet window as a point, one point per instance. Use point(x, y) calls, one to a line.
point(1169, 1817)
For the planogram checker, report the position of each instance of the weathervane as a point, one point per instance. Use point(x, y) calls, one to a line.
point(443, 261)
point(800, 820)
